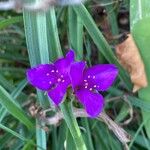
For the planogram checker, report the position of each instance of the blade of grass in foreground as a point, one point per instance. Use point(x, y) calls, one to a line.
point(19, 136)
point(4, 83)
point(75, 37)
point(36, 27)
point(100, 41)
point(33, 22)
point(12, 132)
point(52, 35)
point(7, 102)
point(69, 142)
point(87, 136)
point(62, 136)
point(15, 93)
point(140, 23)
point(70, 119)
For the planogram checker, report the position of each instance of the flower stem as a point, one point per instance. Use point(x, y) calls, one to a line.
point(66, 109)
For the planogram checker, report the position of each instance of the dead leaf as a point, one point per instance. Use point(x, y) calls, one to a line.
point(129, 56)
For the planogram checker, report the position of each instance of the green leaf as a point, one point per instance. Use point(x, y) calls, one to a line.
point(6, 22)
point(30, 142)
point(7, 101)
point(144, 105)
point(71, 122)
point(15, 93)
point(40, 137)
point(31, 34)
point(62, 136)
point(52, 35)
point(42, 37)
point(140, 140)
point(5, 139)
point(70, 142)
point(140, 23)
point(12, 132)
point(37, 26)
point(75, 37)
point(87, 135)
point(6, 84)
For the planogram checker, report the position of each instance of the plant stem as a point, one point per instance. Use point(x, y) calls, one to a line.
point(66, 109)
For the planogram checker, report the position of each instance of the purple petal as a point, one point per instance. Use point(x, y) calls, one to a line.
point(70, 55)
point(63, 64)
point(58, 92)
point(42, 76)
point(101, 76)
point(93, 102)
point(76, 73)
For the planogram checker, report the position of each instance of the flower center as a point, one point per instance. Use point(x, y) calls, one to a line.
point(58, 77)
point(88, 83)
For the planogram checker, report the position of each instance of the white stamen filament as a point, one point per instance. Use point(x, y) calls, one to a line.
point(93, 77)
point(53, 71)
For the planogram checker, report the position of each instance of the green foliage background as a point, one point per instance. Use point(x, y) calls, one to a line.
point(31, 38)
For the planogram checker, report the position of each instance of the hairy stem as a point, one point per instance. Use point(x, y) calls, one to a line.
point(120, 133)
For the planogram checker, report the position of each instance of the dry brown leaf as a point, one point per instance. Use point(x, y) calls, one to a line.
point(129, 56)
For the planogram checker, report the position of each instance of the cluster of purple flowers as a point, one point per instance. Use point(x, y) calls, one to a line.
point(86, 82)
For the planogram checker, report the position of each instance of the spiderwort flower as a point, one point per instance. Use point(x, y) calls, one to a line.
point(52, 78)
point(86, 83)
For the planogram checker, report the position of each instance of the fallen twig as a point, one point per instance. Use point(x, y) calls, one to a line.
point(120, 133)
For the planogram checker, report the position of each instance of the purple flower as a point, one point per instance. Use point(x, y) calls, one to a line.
point(86, 83)
point(53, 78)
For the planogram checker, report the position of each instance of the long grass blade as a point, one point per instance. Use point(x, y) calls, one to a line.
point(7, 101)
point(5, 23)
point(75, 37)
